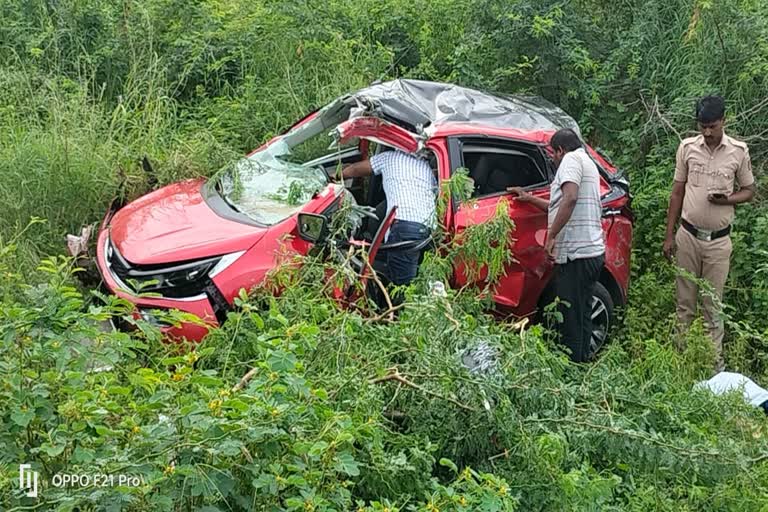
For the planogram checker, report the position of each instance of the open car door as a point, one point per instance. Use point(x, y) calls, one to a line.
point(378, 130)
point(381, 131)
point(367, 269)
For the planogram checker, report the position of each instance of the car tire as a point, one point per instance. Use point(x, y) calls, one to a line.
point(602, 318)
point(602, 312)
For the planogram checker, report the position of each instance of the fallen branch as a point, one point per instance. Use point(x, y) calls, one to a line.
point(385, 314)
point(244, 381)
point(397, 377)
point(654, 111)
point(390, 307)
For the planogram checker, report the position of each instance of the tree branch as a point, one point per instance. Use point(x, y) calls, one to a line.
point(397, 377)
point(246, 378)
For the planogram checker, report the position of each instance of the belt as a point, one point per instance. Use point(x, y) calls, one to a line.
point(705, 234)
point(411, 223)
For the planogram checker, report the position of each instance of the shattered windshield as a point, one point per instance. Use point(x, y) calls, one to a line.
point(272, 184)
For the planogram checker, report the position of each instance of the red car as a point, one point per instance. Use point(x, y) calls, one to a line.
point(193, 245)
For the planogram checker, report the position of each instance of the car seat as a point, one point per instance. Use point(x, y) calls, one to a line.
point(499, 180)
point(480, 173)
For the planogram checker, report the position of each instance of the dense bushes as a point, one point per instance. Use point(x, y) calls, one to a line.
point(89, 87)
point(298, 405)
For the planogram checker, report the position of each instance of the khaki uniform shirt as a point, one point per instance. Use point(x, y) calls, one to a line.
point(706, 171)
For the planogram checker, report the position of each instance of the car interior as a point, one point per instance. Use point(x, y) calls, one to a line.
point(367, 191)
point(494, 167)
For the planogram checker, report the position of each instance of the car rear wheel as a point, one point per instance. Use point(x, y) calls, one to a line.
point(602, 318)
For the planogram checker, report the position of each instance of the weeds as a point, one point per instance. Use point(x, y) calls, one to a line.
point(87, 89)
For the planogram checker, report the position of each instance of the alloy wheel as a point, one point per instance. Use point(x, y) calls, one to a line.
point(601, 320)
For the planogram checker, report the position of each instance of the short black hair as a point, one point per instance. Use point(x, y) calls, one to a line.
point(565, 139)
point(710, 109)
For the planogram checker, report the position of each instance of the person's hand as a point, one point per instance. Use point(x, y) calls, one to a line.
point(716, 198)
point(549, 247)
point(520, 194)
point(669, 248)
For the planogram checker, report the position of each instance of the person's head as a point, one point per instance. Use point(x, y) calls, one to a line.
point(562, 142)
point(710, 115)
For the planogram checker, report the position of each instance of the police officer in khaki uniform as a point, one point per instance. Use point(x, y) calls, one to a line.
point(712, 174)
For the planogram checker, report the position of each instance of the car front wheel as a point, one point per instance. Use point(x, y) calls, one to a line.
point(602, 317)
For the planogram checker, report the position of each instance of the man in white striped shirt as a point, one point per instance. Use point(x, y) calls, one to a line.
point(410, 185)
point(574, 236)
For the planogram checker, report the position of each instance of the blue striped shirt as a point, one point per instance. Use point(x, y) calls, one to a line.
point(409, 184)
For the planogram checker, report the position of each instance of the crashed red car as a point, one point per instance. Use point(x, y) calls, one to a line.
point(194, 245)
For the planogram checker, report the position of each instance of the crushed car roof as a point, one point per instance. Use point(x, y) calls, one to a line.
point(422, 104)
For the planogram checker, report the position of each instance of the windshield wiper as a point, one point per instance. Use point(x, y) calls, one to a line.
point(220, 189)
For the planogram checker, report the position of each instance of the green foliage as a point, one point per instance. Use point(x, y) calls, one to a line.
point(87, 88)
point(296, 404)
point(483, 249)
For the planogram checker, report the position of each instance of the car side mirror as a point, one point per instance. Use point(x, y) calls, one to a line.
point(312, 227)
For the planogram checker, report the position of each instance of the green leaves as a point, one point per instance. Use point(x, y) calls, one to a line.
point(280, 361)
point(317, 449)
point(53, 450)
point(346, 464)
point(449, 464)
point(22, 417)
point(146, 379)
point(482, 250)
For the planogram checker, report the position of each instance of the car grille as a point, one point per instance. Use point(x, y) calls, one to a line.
point(128, 275)
point(118, 265)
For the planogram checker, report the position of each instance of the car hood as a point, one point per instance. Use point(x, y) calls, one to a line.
point(174, 223)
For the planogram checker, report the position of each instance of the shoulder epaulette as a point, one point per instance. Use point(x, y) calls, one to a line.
point(739, 144)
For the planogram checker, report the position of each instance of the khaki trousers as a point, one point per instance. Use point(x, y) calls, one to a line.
point(709, 261)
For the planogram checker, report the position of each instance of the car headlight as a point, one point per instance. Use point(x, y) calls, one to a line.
point(180, 281)
point(224, 262)
point(175, 277)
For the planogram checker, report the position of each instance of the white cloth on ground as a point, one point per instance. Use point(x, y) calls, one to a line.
point(725, 382)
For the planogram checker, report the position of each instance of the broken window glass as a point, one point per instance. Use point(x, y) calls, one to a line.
point(276, 182)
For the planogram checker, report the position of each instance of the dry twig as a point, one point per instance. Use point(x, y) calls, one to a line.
point(244, 381)
point(654, 111)
point(390, 307)
point(394, 375)
point(504, 454)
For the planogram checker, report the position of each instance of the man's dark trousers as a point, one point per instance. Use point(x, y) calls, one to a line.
point(574, 283)
point(403, 265)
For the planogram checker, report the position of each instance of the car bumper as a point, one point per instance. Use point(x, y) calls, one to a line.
point(198, 305)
